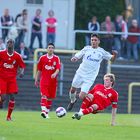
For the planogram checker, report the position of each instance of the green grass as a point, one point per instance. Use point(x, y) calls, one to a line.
point(30, 126)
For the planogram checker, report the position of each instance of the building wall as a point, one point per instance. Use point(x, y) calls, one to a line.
point(64, 12)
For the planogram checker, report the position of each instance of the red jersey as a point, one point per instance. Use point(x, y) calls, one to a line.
point(48, 66)
point(9, 64)
point(51, 21)
point(105, 96)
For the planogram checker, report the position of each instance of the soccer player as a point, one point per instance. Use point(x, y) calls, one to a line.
point(88, 69)
point(48, 69)
point(99, 98)
point(10, 63)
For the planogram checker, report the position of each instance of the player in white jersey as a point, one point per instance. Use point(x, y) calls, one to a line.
point(88, 69)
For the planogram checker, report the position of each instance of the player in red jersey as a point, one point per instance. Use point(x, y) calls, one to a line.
point(48, 69)
point(99, 98)
point(10, 62)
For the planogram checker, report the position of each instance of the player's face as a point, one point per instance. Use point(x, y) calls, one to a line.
point(50, 49)
point(10, 45)
point(95, 42)
point(107, 82)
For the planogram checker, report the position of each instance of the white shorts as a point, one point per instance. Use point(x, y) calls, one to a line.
point(82, 82)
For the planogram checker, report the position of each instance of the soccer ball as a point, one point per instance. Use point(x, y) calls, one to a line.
point(60, 112)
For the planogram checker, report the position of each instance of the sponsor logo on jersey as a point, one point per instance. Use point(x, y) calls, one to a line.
point(89, 57)
point(49, 67)
point(8, 66)
point(54, 63)
point(101, 94)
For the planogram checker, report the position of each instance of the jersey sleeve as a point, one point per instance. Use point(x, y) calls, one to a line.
point(106, 55)
point(81, 53)
point(21, 62)
point(115, 100)
point(58, 64)
point(39, 65)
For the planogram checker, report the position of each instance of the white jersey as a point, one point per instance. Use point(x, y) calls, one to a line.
point(92, 57)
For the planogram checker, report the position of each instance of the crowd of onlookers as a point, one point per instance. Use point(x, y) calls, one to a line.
point(126, 45)
point(17, 28)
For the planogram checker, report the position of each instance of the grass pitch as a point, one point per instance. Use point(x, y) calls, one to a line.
point(30, 126)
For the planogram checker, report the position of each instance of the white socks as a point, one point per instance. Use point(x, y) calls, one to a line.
point(72, 96)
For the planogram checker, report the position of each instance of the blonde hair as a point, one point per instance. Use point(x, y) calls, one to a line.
point(112, 78)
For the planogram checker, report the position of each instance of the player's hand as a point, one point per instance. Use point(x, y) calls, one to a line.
point(21, 75)
point(53, 75)
point(114, 53)
point(37, 83)
point(74, 59)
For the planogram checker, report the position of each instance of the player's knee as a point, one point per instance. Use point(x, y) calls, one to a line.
point(95, 107)
point(90, 96)
point(72, 90)
point(43, 96)
point(82, 95)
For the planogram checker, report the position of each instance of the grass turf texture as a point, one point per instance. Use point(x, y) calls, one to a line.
point(30, 126)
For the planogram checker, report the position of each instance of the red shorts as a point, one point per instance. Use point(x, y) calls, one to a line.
point(97, 102)
point(8, 86)
point(48, 91)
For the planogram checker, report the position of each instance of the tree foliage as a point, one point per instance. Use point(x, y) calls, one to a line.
point(85, 9)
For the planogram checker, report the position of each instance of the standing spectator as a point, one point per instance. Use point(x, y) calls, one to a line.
point(48, 69)
point(36, 29)
point(6, 21)
point(2, 44)
point(23, 51)
point(51, 23)
point(93, 25)
point(10, 61)
point(117, 38)
point(132, 41)
point(108, 39)
point(21, 22)
point(88, 69)
point(124, 37)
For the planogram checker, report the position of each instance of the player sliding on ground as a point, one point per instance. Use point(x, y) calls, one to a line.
point(99, 98)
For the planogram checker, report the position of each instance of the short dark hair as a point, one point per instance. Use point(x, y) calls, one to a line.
point(51, 45)
point(95, 35)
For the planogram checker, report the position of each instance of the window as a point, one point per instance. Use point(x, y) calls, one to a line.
point(34, 2)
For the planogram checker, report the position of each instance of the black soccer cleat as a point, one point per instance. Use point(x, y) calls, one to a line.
point(70, 105)
point(76, 116)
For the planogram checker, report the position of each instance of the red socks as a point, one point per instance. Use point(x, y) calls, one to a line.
point(10, 108)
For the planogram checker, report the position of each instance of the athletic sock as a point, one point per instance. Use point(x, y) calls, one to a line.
point(43, 104)
point(10, 108)
point(87, 110)
point(72, 97)
point(48, 105)
point(86, 102)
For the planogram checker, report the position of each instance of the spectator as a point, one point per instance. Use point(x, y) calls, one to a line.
point(117, 38)
point(36, 29)
point(2, 44)
point(108, 39)
point(51, 23)
point(124, 36)
point(93, 25)
point(21, 22)
point(132, 41)
point(6, 21)
point(23, 51)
